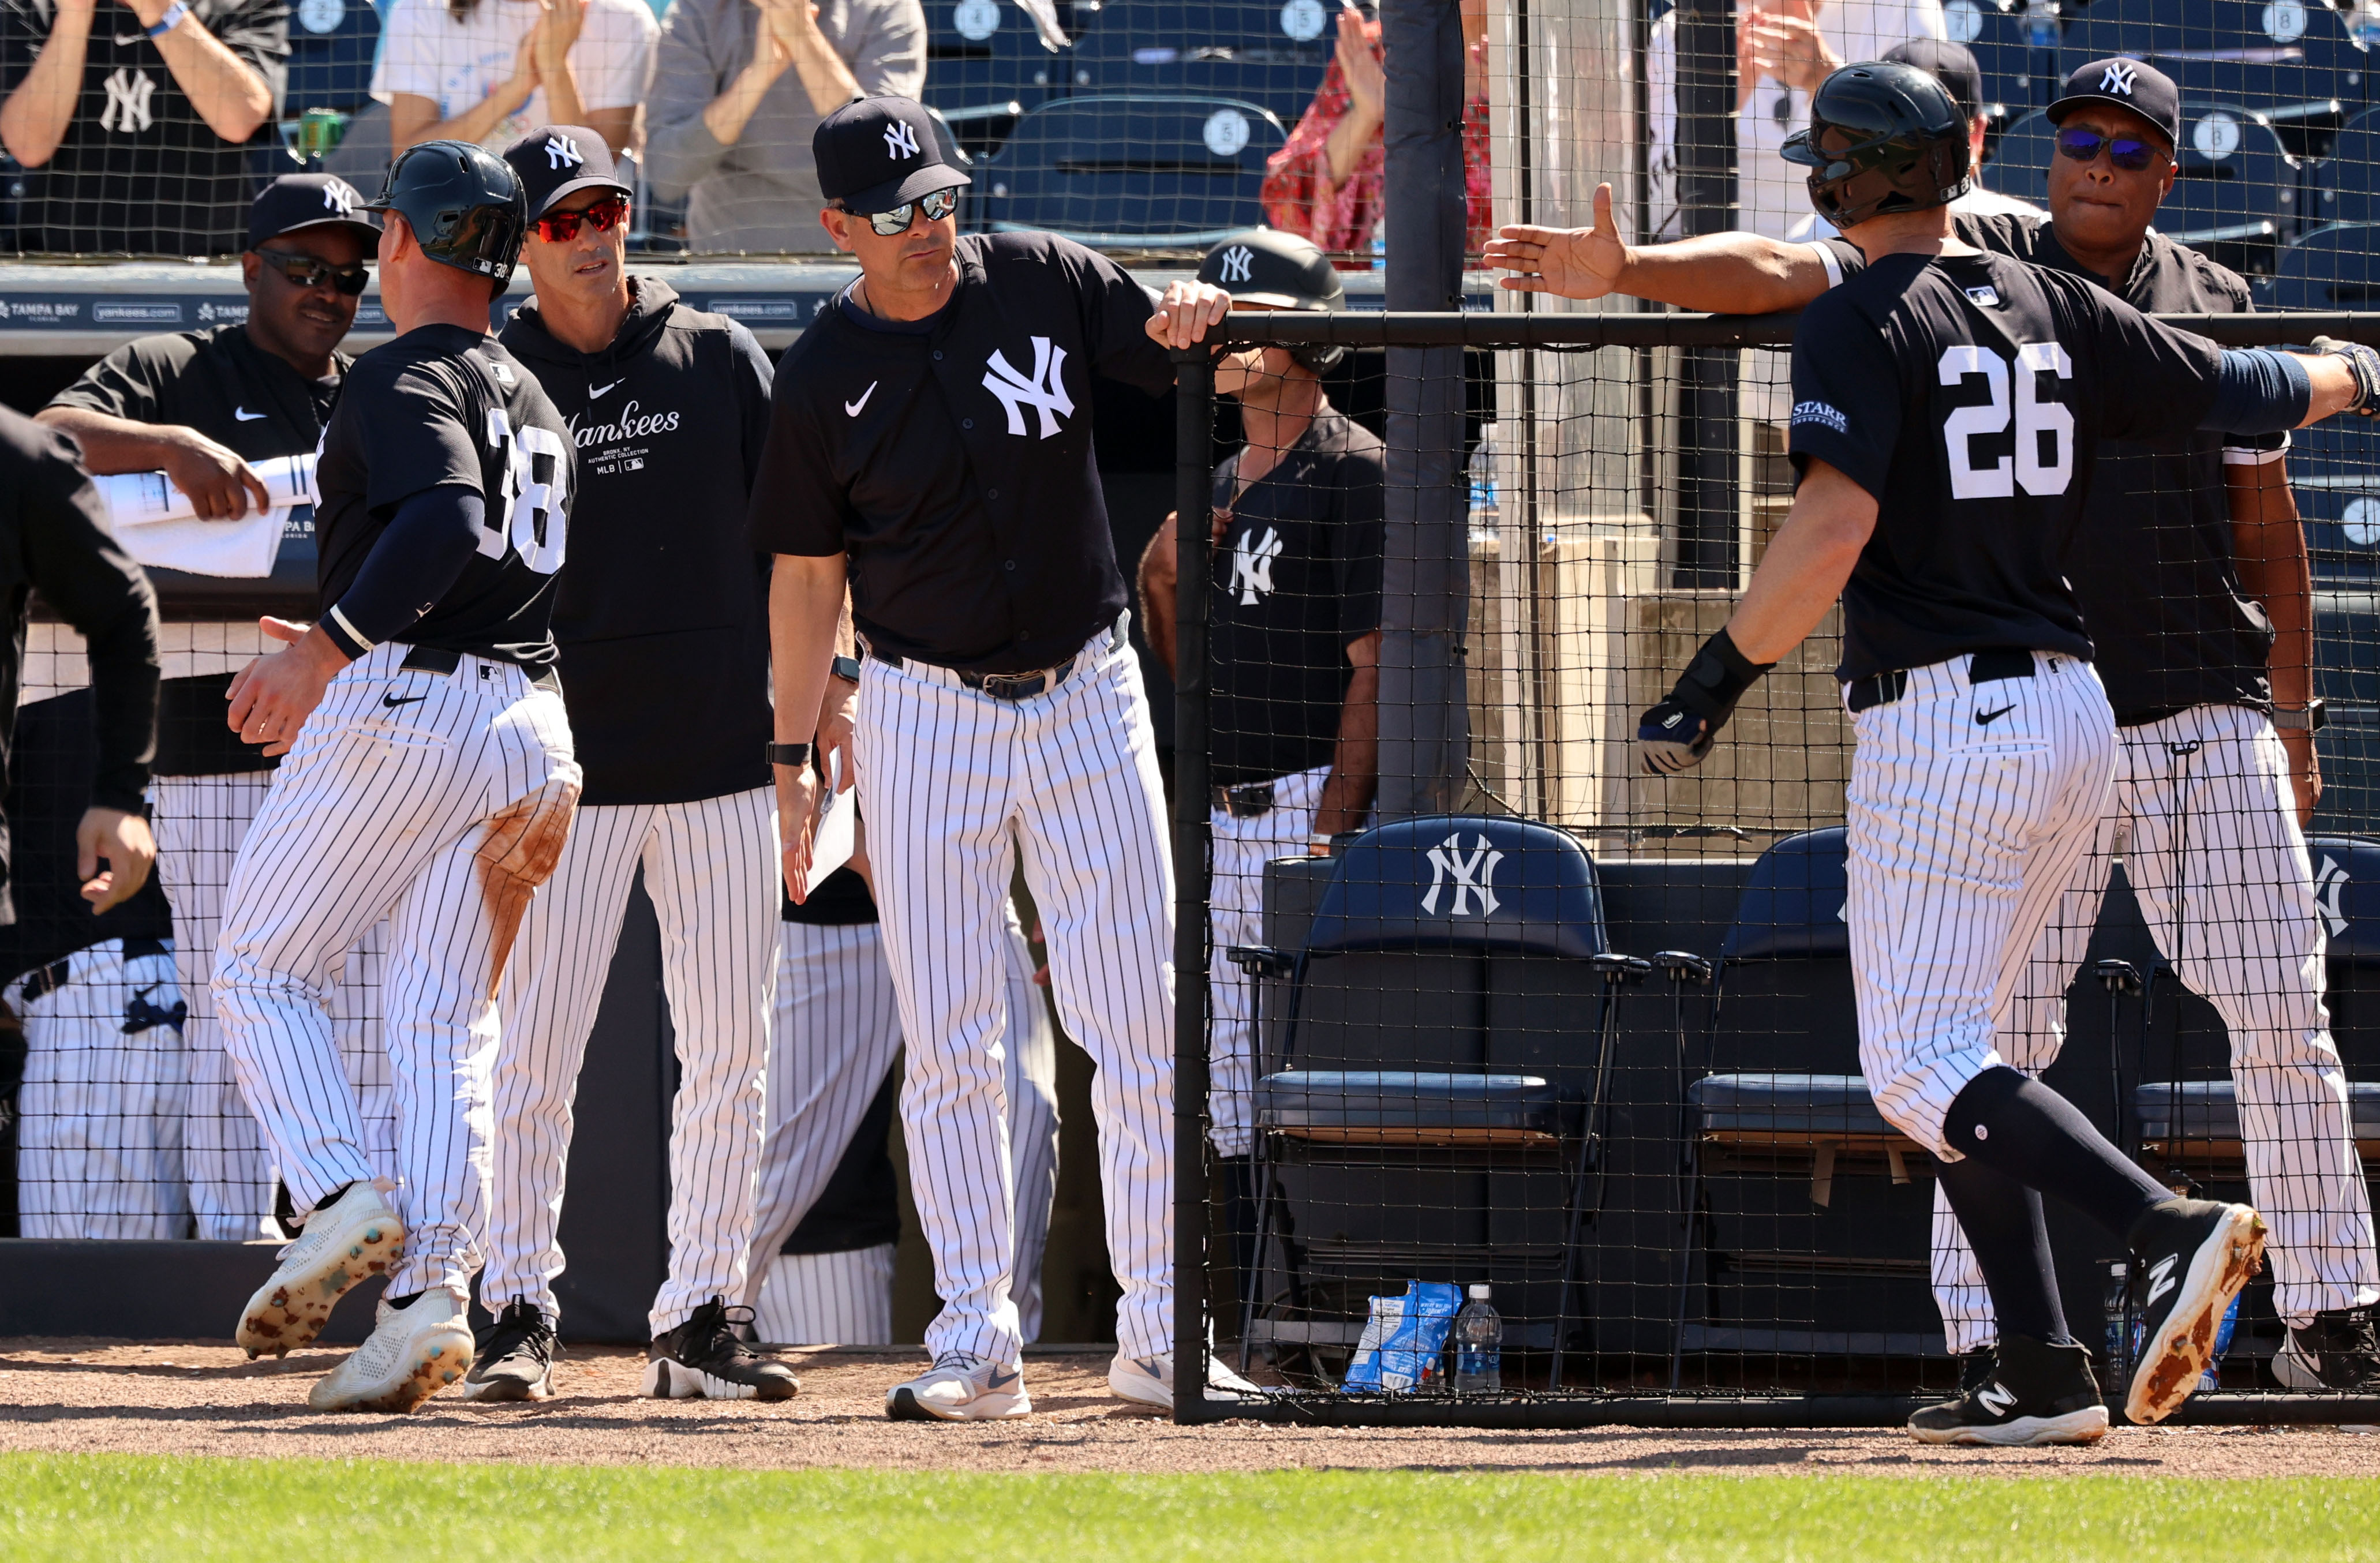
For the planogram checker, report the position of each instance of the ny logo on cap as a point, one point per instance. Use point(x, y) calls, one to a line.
point(2118, 78)
point(340, 197)
point(900, 141)
point(561, 151)
point(1236, 262)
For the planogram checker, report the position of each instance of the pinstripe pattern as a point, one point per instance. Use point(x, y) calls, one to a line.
point(201, 821)
point(838, 1031)
point(711, 867)
point(953, 783)
point(380, 811)
point(1235, 910)
point(1962, 837)
point(2219, 867)
point(99, 1126)
point(842, 1299)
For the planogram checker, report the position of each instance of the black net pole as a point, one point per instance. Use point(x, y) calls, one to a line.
point(1706, 382)
point(1194, 477)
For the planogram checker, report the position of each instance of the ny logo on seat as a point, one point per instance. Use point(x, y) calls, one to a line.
point(1252, 560)
point(561, 151)
point(2118, 78)
point(1474, 874)
point(128, 91)
point(2326, 886)
point(340, 197)
point(900, 141)
point(1236, 262)
point(1044, 391)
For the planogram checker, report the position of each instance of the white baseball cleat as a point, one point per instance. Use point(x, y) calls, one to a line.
point(1148, 1381)
point(351, 1239)
point(415, 1351)
point(961, 1388)
point(2192, 1259)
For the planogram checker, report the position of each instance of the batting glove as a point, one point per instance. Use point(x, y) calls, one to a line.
point(1676, 734)
point(2366, 365)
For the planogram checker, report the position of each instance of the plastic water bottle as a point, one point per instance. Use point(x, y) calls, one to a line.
point(1478, 1346)
point(1486, 509)
point(2119, 1337)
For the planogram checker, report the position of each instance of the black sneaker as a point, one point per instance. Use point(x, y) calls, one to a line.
point(703, 1358)
point(513, 1359)
point(2336, 1352)
point(2036, 1393)
point(1976, 1366)
point(2192, 1256)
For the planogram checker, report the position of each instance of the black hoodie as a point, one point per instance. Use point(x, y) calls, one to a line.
point(662, 611)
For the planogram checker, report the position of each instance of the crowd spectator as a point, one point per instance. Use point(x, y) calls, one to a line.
point(738, 89)
point(487, 70)
point(133, 116)
point(1325, 185)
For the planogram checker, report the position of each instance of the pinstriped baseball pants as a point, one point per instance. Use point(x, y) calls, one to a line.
point(957, 788)
point(442, 812)
point(711, 867)
point(2219, 867)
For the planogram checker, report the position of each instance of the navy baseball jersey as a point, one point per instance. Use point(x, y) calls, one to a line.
point(951, 458)
point(440, 406)
point(2009, 375)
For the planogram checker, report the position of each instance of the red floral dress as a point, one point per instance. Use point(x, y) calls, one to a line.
point(1300, 198)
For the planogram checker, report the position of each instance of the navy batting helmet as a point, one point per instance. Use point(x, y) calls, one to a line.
point(1882, 137)
point(1266, 266)
point(464, 204)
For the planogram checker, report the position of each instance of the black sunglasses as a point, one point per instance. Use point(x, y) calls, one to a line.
point(312, 270)
point(892, 224)
point(2128, 153)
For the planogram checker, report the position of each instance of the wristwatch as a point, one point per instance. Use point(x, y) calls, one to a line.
point(789, 753)
point(2307, 718)
point(846, 668)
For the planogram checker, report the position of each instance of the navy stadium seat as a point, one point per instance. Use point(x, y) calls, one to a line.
point(2290, 60)
point(2236, 194)
point(2334, 267)
point(2015, 48)
point(2335, 473)
point(986, 63)
point(1269, 53)
point(1131, 171)
point(2347, 675)
point(2346, 183)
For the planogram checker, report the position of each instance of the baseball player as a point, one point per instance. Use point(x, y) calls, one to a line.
point(1948, 406)
point(200, 405)
point(931, 445)
point(2194, 586)
point(663, 643)
point(1295, 639)
point(428, 778)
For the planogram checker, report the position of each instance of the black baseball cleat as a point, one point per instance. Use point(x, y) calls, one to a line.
point(2036, 1393)
point(2192, 1256)
point(703, 1358)
point(515, 1360)
point(1976, 1365)
point(2336, 1350)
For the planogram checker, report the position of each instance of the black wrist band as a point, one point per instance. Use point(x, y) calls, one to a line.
point(846, 668)
point(1716, 678)
point(789, 753)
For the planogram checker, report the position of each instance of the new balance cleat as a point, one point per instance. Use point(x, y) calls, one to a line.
point(2034, 1393)
point(2194, 1257)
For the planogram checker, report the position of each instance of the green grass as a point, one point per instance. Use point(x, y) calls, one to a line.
point(269, 1511)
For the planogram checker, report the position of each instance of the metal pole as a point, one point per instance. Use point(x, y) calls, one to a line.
point(1707, 390)
point(1193, 480)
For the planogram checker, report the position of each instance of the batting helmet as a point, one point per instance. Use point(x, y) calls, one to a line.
point(1882, 137)
point(464, 204)
point(1266, 266)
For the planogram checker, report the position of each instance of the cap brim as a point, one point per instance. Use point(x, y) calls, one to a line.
point(591, 181)
point(366, 232)
point(908, 187)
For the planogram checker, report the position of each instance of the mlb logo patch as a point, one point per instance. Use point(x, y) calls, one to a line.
point(1986, 295)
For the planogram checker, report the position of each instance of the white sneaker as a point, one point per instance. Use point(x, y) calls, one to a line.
point(961, 1388)
point(353, 1238)
point(1148, 1381)
point(415, 1351)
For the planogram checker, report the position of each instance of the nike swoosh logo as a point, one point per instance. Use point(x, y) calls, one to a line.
point(1984, 719)
point(993, 1379)
point(123, 38)
point(244, 415)
point(600, 391)
point(401, 699)
point(852, 408)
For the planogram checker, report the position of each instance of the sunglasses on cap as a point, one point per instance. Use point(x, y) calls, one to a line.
point(2131, 153)
point(937, 205)
point(312, 270)
point(561, 227)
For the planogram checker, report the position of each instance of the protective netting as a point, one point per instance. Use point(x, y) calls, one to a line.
point(1586, 1036)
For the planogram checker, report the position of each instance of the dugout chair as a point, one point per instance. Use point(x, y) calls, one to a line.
point(2346, 183)
point(1131, 171)
point(2292, 62)
point(2332, 268)
point(1468, 886)
point(988, 61)
point(2334, 474)
point(2347, 675)
point(1269, 53)
point(2015, 49)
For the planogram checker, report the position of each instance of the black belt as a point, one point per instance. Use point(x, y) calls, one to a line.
point(43, 981)
point(1003, 686)
point(437, 659)
point(1251, 802)
point(1984, 667)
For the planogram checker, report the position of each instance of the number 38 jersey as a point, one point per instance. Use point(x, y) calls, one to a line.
point(445, 407)
point(1968, 394)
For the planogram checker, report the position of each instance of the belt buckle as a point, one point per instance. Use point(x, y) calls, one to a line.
point(1014, 686)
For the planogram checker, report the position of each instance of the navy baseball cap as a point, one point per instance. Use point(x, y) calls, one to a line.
point(875, 154)
point(562, 160)
point(1950, 63)
point(308, 201)
point(2128, 84)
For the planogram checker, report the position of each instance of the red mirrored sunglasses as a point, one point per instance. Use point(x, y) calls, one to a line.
point(561, 227)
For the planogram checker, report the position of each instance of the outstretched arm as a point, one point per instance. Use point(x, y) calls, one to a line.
point(1726, 273)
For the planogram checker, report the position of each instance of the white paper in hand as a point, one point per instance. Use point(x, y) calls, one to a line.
point(832, 838)
point(153, 520)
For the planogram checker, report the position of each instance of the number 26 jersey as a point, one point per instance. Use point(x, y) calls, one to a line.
point(444, 406)
point(1968, 396)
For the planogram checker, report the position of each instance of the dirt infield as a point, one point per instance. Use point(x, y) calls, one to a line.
point(108, 1397)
